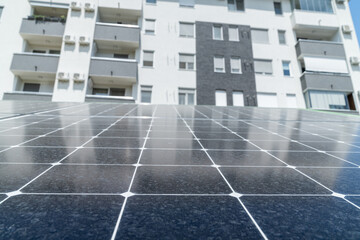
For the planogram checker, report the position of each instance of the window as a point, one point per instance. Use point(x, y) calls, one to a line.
point(219, 64)
point(1, 10)
point(313, 5)
point(148, 59)
point(151, 1)
point(278, 8)
point(282, 37)
point(186, 96)
point(146, 94)
point(149, 26)
point(238, 98)
point(186, 61)
point(220, 98)
point(31, 87)
point(100, 91)
point(328, 100)
point(54, 52)
point(236, 5)
point(121, 56)
point(187, 30)
point(267, 100)
point(39, 51)
point(186, 3)
point(291, 101)
point(286, 68)
point(260, 35)
point(120, 92)
point(235, 63)
point(218, 33)
point(233, 34)
point(263, 67)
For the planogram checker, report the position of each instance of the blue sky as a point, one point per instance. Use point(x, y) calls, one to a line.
point(355, 12)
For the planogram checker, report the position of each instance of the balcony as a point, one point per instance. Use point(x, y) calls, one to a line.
point(314, 23)
point(133, 7)
point(41, 32)
point(113, 71)
point(35, 66)
point(326, 81)
point(110, 36)
point(320, 48)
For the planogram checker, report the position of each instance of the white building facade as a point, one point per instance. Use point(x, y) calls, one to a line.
point(266, 53)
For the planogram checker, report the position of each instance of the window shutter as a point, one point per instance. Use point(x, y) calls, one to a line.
point(263, 66)
point(260, 35)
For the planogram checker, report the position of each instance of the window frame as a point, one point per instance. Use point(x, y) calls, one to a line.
point(288, 65)
point(187, 23)
point(149, 31)
point(285, 40)
point(223, 60)
point(237, 33)
point(264, 73)
point(221, 32)
point(240, 66)
point(153, 58)
point(187, 63)
point(281, 8)
point(147, 89)
point(236, 6)
point(187, 92)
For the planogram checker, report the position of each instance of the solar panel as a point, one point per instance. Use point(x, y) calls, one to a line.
point(109, 171)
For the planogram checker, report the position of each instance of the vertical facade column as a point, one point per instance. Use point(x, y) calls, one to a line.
point(76, 54)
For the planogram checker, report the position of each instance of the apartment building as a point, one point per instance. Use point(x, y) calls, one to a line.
point(265, 53)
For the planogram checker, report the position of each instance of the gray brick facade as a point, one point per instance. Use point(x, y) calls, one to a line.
point(209, 81)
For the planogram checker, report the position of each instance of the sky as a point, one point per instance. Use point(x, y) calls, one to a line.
point(355, 12)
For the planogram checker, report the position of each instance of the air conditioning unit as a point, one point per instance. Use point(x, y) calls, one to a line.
point(78, 78)
point(89, 7)
point(340, 1)
point(354, 60)
point(68, 39)
point(63, 77)
point(84, 41)
point(75, 6)
point(346, 29)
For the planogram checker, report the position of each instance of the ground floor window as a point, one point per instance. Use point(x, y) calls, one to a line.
point(31, 87)
point(117, 92)
point(221, 98)
point(327, 100)
point(146, 92)
point(186, 96)
point(238, 98)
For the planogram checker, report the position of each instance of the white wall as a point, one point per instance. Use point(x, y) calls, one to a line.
point(10, 40)
point(76, 58)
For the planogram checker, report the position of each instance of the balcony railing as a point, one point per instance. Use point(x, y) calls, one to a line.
point(32, 62)
point(54, 28)
point(326, 81)
point(117, 69)
point(320, 48)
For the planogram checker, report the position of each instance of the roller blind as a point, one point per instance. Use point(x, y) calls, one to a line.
point(220, 98)
point(238, 98)
point(267, 100)
point(260, 35)
point(233, 34)
point(150, 25)
point(263, 66)
point(325, 65)
point(187, 29)
point(219, 64)
point(186, 58)
point(148, 56)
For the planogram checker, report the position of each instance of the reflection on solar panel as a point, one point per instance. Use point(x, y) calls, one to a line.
point(106, 171)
